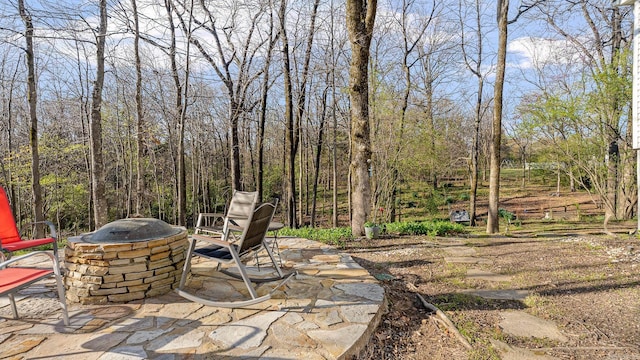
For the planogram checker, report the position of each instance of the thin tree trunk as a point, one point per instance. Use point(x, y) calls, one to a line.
point(263, 110)
point(493, 224)
point(32, 98)
point(316, 172)
point(290, 137)
point(475, 150)
point(95, 129)
point(182, 172)
point(334, 149)
point(140, 124)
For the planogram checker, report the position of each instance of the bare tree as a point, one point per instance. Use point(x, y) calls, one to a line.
point(95, 128)
point(140, 186)
point(231, 63)
point(493, 224)
point(263, 104)
point(361, 16)
point(32, 97)
point(475, 67)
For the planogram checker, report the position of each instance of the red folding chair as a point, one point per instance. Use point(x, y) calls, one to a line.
point(16, 277)
point(10, 239)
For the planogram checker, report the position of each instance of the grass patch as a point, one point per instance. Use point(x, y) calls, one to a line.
point(458, 302)
point(335, 236)
point(431, 228)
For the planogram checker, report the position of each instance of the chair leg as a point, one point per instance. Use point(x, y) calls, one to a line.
point(14, 308)
point(55, 249)
point(243, 273)
point(187, 263)
point(61, 294)
point(273, 260)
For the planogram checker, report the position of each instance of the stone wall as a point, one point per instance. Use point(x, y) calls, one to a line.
point(122, 272)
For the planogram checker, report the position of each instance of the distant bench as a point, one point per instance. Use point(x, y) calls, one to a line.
point(459, 216)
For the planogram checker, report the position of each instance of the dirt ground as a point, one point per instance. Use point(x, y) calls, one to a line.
point(586, 283)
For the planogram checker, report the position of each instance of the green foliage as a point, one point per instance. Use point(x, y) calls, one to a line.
point(464, 196)
point(506, 214)
point(431, 228)
point(335, 236)
point(431, 204)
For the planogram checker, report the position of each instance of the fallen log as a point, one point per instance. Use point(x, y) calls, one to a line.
point(444, 319)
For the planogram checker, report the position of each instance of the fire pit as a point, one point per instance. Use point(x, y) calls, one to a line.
point(128, 259)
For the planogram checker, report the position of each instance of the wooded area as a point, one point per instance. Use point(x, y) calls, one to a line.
point(123, 107)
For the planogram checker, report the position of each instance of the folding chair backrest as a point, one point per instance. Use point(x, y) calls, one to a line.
point(255, 232)
point(241, 205)
point(8, 230)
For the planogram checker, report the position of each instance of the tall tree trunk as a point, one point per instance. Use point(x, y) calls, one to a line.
point(320, 143)
point(493, 224)
point(475, 150)
point(95, 129)
point(140, 125)
point(32, 97)
point(291, 132)
point(475, 67)
point(263, 110)
point(612, 129)
point(334, 148)
point(628, 187)
point(360, 20)
point(9, 129)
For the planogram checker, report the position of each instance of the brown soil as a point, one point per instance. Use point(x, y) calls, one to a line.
point(587, 283)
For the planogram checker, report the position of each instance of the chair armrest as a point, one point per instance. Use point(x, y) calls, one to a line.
point(212, 240)
point(52, 228)
point(21, 257)
point(204, 218)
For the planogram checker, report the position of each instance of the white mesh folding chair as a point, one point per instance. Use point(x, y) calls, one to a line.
point(240, 207)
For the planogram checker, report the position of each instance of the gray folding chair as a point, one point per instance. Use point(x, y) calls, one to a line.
point(240, 207)
point(224, 250)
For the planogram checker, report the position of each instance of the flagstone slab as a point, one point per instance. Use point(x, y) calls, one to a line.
point(460, 251)
point(507, 294)
point(247, 333)
point(478, 274)
point(508, 352)
point(467, 260)
point(519, 323)
point(19, 344)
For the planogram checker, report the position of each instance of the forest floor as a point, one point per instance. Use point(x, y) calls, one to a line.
point(561, 270)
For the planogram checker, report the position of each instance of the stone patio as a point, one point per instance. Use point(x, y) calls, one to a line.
point(328, 311)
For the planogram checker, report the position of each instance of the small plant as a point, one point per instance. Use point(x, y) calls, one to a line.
point(506, 215)
point(464, 196)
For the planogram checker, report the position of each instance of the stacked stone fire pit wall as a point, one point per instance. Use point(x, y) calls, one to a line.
point(122, 272)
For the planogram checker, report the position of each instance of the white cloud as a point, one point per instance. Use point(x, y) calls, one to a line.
point(534, 52)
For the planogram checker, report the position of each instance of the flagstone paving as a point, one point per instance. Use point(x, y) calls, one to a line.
point(514, 322)
point(328, 311)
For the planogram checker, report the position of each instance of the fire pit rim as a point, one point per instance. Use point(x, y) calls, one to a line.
point(129, 230)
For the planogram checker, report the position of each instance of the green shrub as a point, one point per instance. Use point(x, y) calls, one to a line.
point(464, 197)
point(335, 236)
point(507, 215)
point(432, 228)
point(431, 204)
